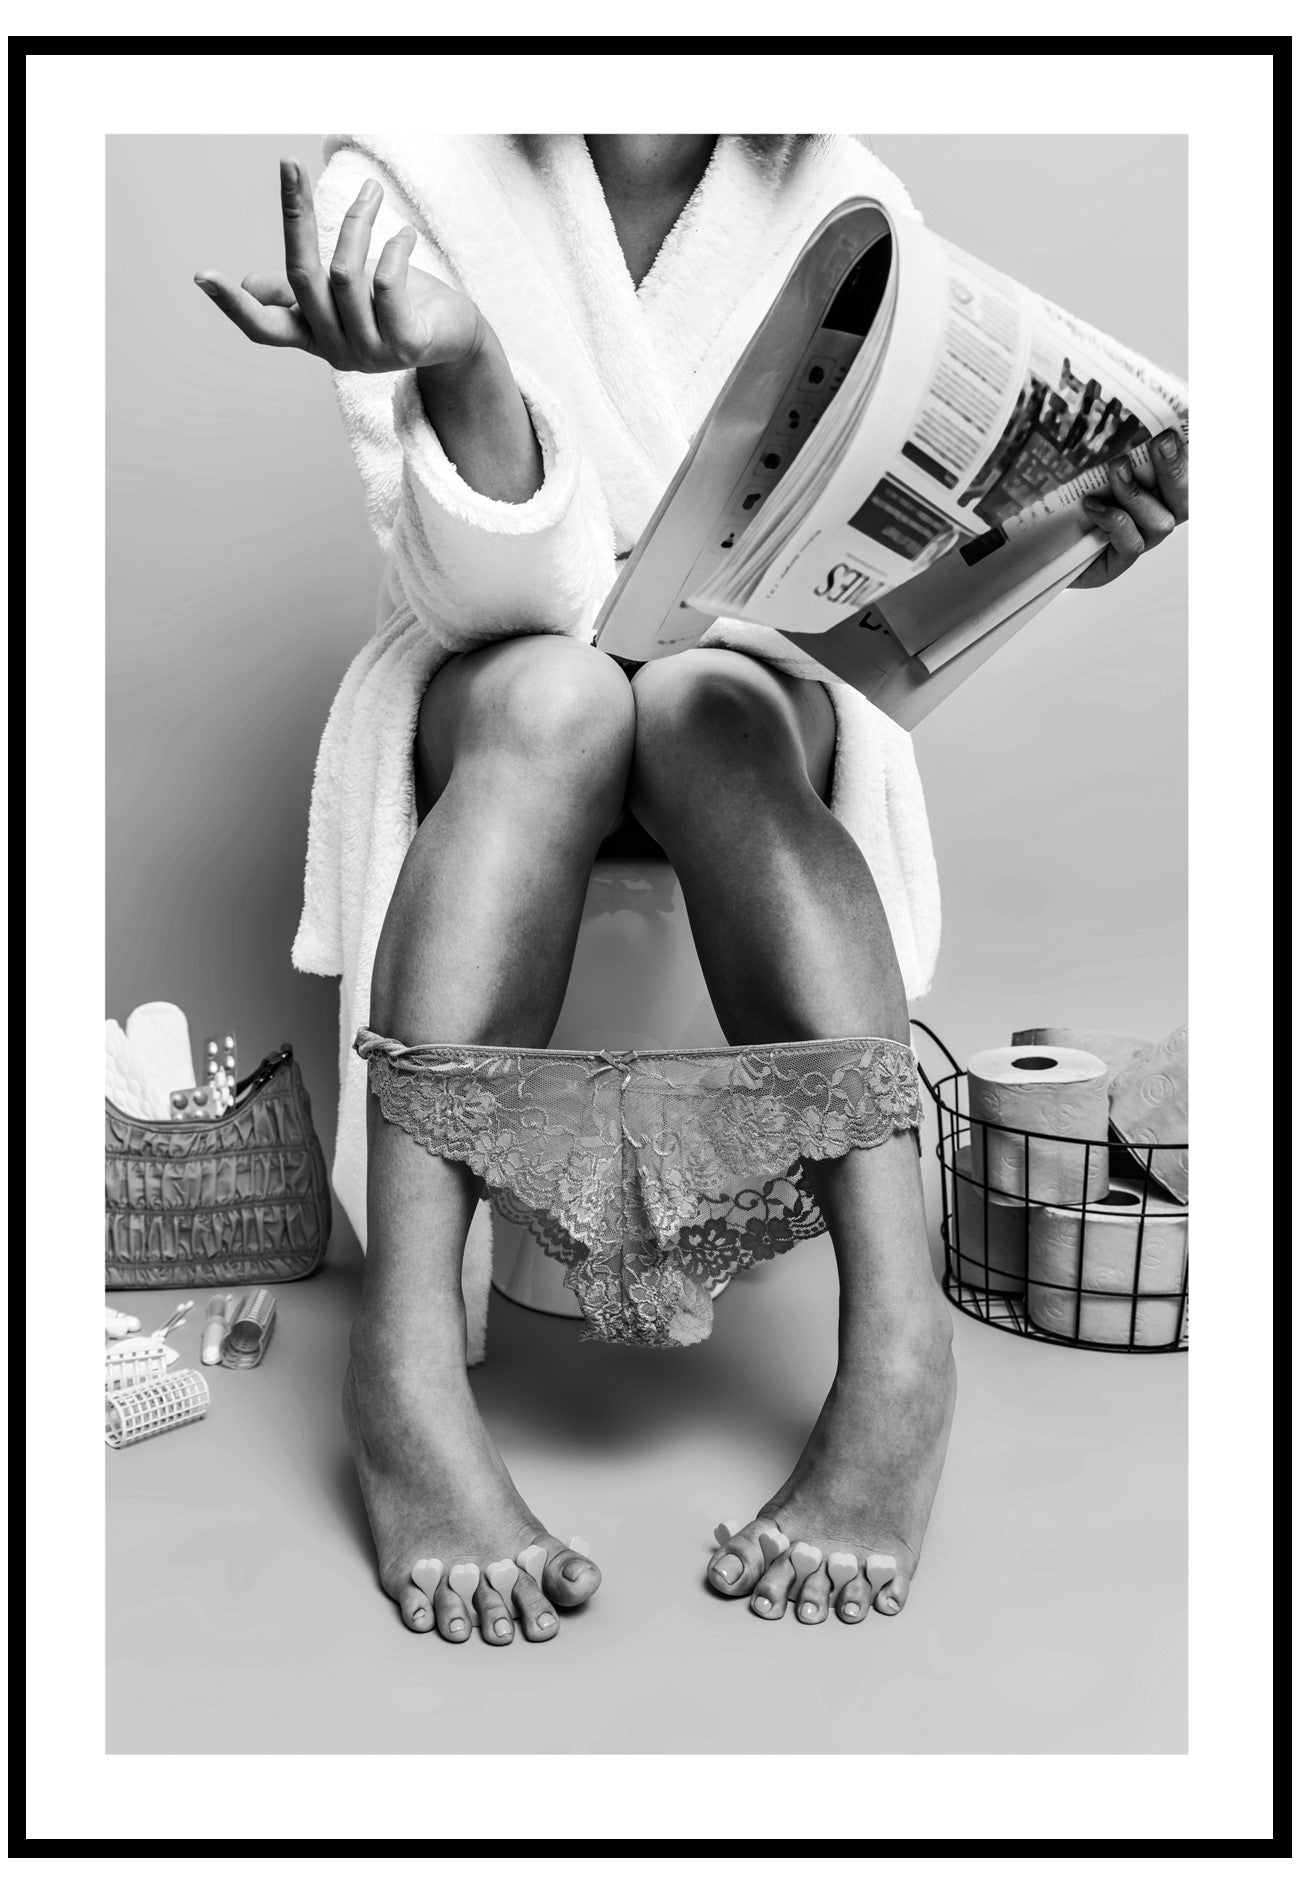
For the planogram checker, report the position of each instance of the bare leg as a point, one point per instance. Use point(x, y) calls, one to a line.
point(522, 756)
point(731, 765)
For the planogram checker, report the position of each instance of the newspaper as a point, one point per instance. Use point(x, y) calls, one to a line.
point(894, 471)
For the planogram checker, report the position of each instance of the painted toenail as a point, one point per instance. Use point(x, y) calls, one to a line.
point(808, 1611)
point(730, 1568)
point(455, 1627)
point(545, 1620)
point(850, 1608)
point(502, 1630)
point(761, 1603)
point(573, 1571)
point(890, 1604)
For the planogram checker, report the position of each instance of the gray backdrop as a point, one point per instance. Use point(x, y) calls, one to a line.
point(243, 1611)
point(241, 578)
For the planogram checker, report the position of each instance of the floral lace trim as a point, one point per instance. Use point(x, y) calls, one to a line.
point(651, 1175)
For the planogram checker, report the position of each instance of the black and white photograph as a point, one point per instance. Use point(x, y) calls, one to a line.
point(655, 865)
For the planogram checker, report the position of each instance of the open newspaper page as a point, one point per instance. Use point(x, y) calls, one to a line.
point(946, 492)
point(892, 475)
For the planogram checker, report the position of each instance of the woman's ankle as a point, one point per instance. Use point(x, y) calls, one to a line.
point(385, 1340)
point(913, 1331)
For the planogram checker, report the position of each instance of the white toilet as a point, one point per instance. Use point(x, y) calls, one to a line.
point(636, 984)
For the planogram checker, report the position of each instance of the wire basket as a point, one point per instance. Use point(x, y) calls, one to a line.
point(1107, 1274)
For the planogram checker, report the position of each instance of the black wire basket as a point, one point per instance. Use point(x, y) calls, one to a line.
point(1063, 1273)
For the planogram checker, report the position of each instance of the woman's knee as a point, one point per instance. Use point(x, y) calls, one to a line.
point(712, 719)
point(540, 709)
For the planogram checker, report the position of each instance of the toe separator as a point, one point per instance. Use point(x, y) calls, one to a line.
point(463, 1581)
point(502, 1577)
point(533, 1562)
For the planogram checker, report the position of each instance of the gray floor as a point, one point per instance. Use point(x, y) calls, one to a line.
point(1049, 1614)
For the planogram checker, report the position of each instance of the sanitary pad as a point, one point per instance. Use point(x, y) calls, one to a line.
point(145, 1062)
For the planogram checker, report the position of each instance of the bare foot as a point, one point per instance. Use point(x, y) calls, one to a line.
point(863, 1487)
point(442, 1506)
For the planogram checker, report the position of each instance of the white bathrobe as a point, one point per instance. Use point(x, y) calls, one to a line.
point(617, 380)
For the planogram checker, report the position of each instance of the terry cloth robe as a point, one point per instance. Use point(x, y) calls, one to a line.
point(617, 380)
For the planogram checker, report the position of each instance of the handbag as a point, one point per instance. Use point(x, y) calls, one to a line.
point(240, 1199)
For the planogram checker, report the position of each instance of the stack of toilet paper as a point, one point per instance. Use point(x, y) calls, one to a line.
point(1039, 1212)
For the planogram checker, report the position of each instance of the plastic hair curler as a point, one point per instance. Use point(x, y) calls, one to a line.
point(136, 1362)
point(250, 1331)
point(148, 1410)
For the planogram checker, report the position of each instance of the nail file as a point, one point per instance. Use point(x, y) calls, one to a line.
point(463, 1581)
point(773, 1543)
point(533, 1561)
point(725, 1530)
point(579, 1545)
point(805, 1558)
point(502, 1576)
point(426, 1574)
point(840, 1569)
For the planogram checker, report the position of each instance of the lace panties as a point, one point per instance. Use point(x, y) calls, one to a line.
point(651, 1175)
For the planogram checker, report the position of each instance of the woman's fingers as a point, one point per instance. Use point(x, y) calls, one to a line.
point(1170, 460)
point(271, 290)
point(348, 281)
point(270, 327)
point(1145, 508)
point(1125, 547)
point(392, 310)
point(302, 260)
point(1142, 508)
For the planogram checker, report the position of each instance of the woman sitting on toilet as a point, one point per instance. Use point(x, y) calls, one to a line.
point(526, 333)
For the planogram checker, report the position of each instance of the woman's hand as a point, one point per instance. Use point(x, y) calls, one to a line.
point(403, 319)
point(1146, 504)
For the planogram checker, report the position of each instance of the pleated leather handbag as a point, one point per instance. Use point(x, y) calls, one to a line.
point(242, 1199)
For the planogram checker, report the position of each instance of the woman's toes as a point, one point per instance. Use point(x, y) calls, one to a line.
point(771, 1596)
point(536, 1612)
point(854, 1600)
point(893, 1597)
point(888, 1582)
point(416, 1609)
point(814, 1596)
point(736, 1566)
point(494, 1622)
point(570, 1576)
point(450, 1614)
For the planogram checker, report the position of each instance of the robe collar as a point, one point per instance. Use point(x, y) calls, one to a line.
point(524, 227)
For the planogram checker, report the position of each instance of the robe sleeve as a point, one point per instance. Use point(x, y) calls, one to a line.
point(470, 568)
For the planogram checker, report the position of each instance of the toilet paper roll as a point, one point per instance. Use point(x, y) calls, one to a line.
point(995, 1262)
point(1158, 1322)
point(1047, 1090)
point(1084, 1269)
point(1150, 1103)
point(1113, 1049)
